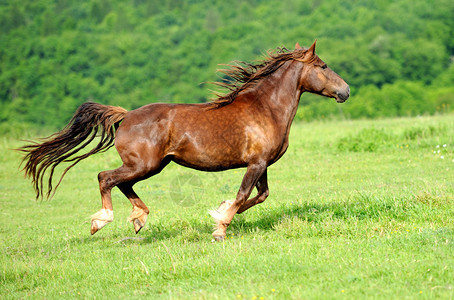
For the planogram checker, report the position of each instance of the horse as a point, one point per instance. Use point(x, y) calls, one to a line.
point(248, 127)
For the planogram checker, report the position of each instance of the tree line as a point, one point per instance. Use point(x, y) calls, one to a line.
point(397, 56)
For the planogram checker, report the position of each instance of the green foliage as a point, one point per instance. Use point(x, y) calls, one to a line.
point(417, 133)
point(366, 140)
point(55, 55)
point(375, 139)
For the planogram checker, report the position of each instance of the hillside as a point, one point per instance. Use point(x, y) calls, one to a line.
point(397, 56)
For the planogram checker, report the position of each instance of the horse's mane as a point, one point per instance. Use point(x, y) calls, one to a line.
point(243, 75)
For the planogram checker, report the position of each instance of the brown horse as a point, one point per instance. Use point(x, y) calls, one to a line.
point(248, 127)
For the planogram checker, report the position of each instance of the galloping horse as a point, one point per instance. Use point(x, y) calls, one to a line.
point(248, 127)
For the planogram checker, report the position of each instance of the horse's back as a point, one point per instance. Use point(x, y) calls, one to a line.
point(200, 136)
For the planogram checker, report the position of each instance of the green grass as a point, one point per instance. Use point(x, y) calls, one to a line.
point(357, 209)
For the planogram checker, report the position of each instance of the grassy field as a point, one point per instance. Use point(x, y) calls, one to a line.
point(357, 209)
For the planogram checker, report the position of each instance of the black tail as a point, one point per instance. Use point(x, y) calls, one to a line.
point(60, 147)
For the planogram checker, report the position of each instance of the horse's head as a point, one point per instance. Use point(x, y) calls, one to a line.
point(317, 78)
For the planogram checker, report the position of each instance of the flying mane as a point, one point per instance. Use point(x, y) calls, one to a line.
point(243, 75)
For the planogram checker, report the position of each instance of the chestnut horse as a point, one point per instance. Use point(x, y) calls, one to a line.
point(248, 127)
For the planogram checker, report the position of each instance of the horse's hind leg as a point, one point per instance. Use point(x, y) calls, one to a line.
point(140, 211)
point(108, 180)
point(125, 177)
point(105, 215)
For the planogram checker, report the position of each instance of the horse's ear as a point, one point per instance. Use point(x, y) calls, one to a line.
point(311, 50)
point(298, 47)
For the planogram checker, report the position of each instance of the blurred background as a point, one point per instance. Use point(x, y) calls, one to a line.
point(397, 56)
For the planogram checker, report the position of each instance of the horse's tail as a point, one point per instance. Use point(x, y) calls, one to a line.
point(89, 119)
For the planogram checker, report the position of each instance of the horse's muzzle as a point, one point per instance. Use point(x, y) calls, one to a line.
point(342, 96)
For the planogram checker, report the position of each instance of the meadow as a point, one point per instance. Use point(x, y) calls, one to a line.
point(357, 209)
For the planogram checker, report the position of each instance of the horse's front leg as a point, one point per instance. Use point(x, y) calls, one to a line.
point(262, 194)
point(223, 218)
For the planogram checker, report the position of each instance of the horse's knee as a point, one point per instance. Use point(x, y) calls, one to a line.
point(266, 193)
point(241, 199)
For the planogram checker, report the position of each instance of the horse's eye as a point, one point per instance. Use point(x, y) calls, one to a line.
point(324, 67)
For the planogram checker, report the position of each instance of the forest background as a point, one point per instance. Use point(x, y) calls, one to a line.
point(397, 56)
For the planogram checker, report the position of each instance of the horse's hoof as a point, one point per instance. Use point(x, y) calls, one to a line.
point(94, 228)
point(138, 225)
point(100, 219)
point(218, 238)
point(138, 218)
point(96, 225)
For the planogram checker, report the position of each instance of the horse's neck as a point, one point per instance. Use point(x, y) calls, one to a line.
point(280, 92)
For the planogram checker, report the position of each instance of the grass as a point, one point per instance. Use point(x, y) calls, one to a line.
point(357, 209)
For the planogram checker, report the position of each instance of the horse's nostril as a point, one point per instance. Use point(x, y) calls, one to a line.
point(343, 95)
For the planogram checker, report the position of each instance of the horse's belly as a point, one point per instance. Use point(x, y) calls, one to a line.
point(206, 160)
